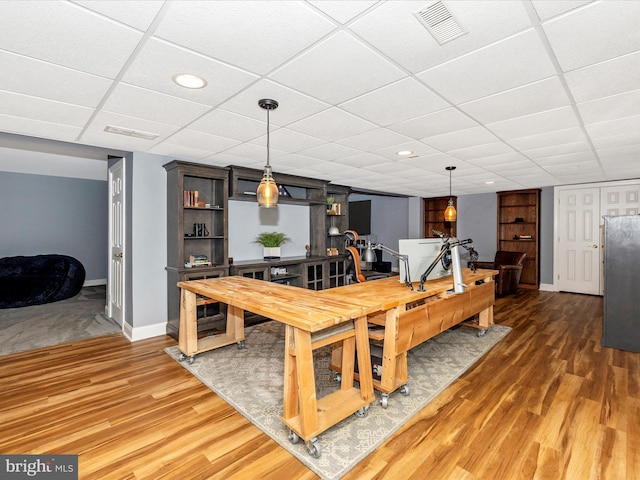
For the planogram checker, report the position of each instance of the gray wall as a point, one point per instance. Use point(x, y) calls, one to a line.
point(389, 221)
point(43, 214)
point(547, 212)
point(477, 216)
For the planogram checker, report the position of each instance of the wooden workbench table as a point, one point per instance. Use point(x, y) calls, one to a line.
point(407, 318)
point(311, 322)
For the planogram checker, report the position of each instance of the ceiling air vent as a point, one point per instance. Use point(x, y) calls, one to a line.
point(440, 22)
point(130, 132)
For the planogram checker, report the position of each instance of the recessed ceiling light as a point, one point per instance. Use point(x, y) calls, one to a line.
point(490, 182)
point(189, 80)
point(404, 153)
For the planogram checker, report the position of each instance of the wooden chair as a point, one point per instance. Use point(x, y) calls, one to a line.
point(510, 265)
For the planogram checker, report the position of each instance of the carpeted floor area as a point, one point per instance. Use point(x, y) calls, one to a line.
point(37, 326)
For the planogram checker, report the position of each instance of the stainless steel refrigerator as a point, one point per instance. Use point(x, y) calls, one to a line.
point(622, 282)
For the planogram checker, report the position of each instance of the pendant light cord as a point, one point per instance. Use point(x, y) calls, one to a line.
point(268, 136)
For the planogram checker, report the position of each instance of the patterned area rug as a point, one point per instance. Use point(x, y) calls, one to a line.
point(251, 380)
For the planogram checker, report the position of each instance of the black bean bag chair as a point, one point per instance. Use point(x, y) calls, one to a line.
point(39, 279)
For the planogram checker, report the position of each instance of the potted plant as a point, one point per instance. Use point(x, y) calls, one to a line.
point(271, 243)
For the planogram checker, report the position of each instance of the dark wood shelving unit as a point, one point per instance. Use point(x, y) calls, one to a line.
point(519, 230)
point(433, 209)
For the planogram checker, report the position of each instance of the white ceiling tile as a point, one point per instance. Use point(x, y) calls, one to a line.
point(202, 141)
point(491, 69)
point(394, 30)
point(613, 127)
point(610, 108)
point(46, 80)
point(481, 151)
point(362, 160)
point(227, 124)
point(332, 125)
point(157, 63)
point(614, 76)
point(338, 69)
point(535, 97)
point(494, 161)
point(329, 152)
point(16, 105)
point(535, 124)
point(138, 14)
point(569, 159)
point(293, 106)
point(342, 11)
point(550, 8)
point(38, 128)
point(460, 139)
point(287, 140)
point(180, 152)
point(373, 139)
point(394, 103)
point(623, 140)
point(548, 139)
point(150, 105)
point(553, 150)
point(256, 36)
point(66, 34)
point(595, 33)
point(443, 121)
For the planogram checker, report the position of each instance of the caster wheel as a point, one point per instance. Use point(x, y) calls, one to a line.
point(481, 333)
point(293, 437)
point(337, 377)
point(241, 345)
point(182, 357)
point(362, 412)
point(192, 359)
point(404, 390)
point(313, 447)
point(384, 401)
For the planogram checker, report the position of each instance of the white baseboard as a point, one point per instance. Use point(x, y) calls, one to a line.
point(548, 287)
point(148, 331)
point(93, 283)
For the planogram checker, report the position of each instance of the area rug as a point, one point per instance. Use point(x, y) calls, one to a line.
point(251, 380)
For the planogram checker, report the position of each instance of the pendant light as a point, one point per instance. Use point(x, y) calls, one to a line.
point(450, 212)
point(267, 192)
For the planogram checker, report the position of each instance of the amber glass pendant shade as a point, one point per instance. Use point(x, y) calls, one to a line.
point(267, 190)
point(450, 213)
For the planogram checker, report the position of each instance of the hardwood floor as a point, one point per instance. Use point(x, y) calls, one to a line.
point(548, 402)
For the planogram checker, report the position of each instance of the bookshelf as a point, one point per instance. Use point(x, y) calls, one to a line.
point(433, 209)
point(519, 230)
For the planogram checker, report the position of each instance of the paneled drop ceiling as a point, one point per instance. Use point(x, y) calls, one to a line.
point(535, 93)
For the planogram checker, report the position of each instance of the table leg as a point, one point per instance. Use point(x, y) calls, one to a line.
point(188, 335)
point(364, 359)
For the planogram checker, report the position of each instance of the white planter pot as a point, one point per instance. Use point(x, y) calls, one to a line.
point(271, 252)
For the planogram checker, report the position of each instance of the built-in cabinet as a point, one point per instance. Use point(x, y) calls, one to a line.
point(197, 234)
point(337, 218)
point(433, 209)
point(519, 230)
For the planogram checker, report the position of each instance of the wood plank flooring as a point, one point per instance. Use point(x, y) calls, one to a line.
point(548, 402)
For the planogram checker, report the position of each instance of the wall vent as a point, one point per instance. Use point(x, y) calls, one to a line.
point(440, 22)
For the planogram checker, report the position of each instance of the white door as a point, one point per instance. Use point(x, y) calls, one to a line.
point(579, 243)
point(116, 280)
